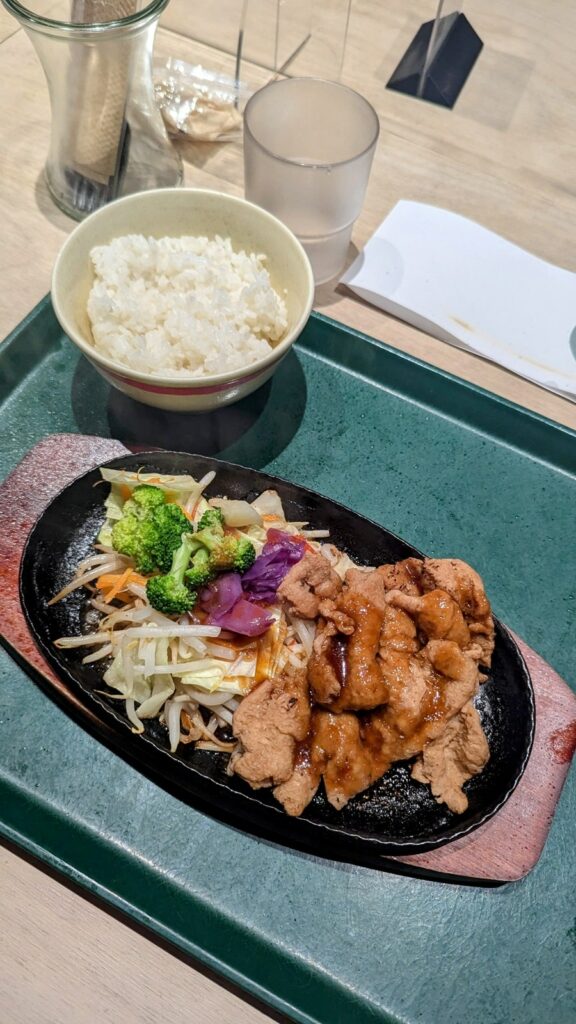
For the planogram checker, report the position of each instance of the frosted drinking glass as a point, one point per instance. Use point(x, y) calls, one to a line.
point(308, 149)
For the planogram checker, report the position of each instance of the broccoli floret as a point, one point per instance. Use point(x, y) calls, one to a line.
point(149, 530)
point(136, 538)
point(169, 523)
point(148, 497)
point(212, 518)
point(235, 554)
point(226, 552)
point(200, 572)
point(169, 594)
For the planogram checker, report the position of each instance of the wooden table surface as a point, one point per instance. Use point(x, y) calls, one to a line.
point(505, 156)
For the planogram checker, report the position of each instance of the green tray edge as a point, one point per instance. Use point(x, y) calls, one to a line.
point(406, 375)
point(274, 977)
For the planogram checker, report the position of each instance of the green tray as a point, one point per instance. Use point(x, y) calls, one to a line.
point(453, 470)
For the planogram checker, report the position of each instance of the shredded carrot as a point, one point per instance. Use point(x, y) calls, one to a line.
point(298, 536)
point(124, 597)
point(193, 512)
point(119, 584)
point(115, 582)
point(268, 518)
point(154, 480)
point(125, 492)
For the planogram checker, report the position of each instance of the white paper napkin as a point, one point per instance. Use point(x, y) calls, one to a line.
point(469, 287)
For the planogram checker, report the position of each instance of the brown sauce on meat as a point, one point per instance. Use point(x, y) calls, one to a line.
point(434, 703)
point(336, 654)
point(303, 752)
point(411, 569)
point(341, 770)
point(354, 657)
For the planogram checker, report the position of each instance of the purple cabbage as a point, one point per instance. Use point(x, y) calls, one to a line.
point(220, 596)
point(227, 608)
point(229, 600)
point(279, 554)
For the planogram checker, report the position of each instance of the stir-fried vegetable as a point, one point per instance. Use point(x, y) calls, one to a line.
point(185, 588)
point(226, 607)
point(170, 594)
point(279, 553)
point(225, 551)
point(149, 531)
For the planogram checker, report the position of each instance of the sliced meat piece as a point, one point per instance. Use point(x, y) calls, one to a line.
point(324, 668)
point(296, 793)
point(463, 584)
point(341, 622)
point(447, 762)
point(347, 763)
point(425, 691)
point(404, 575)
point(459, 580)
point(269, 723)
point(363, 685)
point(457, 674)
point(398, 631)
point(369, 585)
point(437, 614)
point(412, 687)
point(343, 671)
point(336, 751)
point(307, 583)
point(350, 752)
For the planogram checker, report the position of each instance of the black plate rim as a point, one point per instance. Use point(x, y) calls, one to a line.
point(339, 833)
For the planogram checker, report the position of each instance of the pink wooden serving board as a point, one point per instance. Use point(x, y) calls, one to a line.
point(504, 849)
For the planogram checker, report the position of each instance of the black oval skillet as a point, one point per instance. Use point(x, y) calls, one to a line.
point(396, 815)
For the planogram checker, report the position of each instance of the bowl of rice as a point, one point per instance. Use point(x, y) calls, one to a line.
point(184, 299)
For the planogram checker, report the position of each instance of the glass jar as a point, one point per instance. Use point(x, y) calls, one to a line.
point(107, 135)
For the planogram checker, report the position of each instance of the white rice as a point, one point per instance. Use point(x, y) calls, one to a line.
point(182, 306)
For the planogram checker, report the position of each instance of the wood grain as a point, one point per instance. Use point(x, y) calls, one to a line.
point(67, 961)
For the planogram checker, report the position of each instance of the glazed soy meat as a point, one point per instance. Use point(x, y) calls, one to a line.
point(344, 673)
point(307, 583)
point(371, 585)
point(269, 723)
point(404, 576)
point(335, 751)
point(436, 614)
point(346, 762)
point(463, 584)
point(392, 675)
point(325, 667)
point(300, 788)
point(350, 751)
point(425, 691)
point(455, 756)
